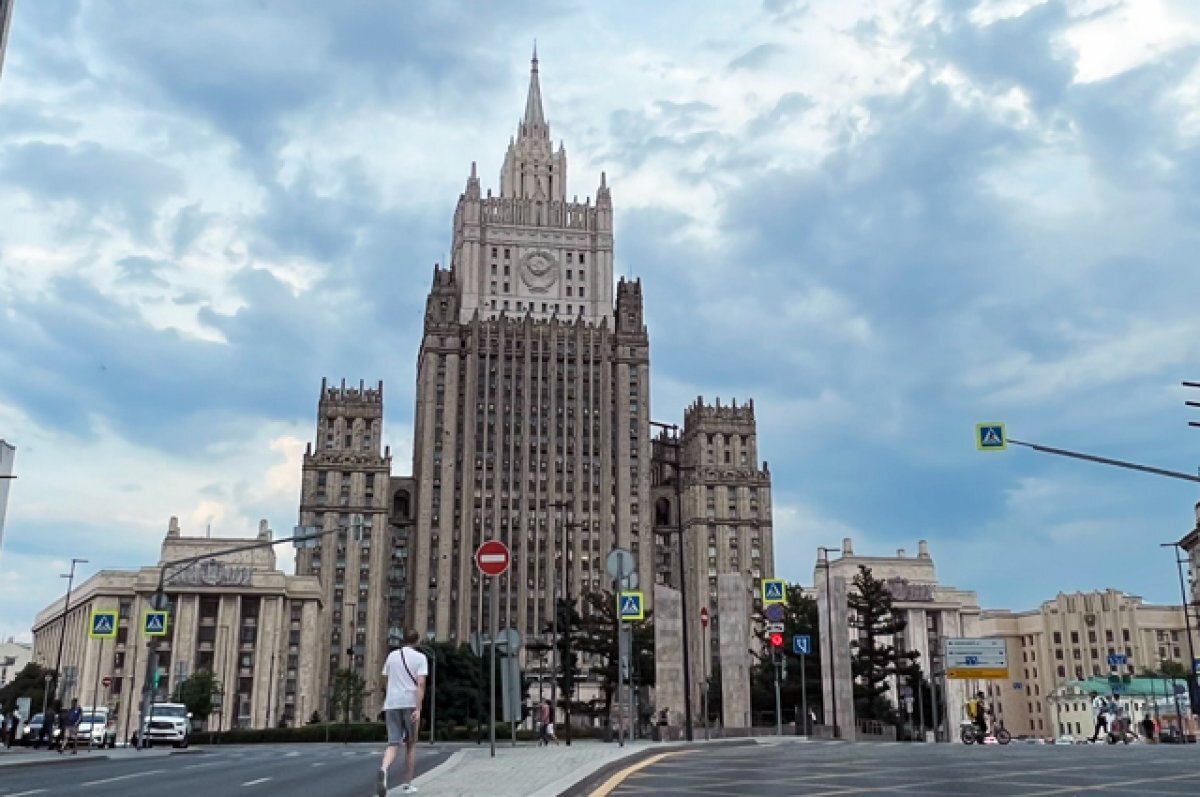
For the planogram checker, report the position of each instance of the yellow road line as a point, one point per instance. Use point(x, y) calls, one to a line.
point(607, 787)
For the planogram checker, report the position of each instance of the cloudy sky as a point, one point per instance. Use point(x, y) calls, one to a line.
point(884, 220)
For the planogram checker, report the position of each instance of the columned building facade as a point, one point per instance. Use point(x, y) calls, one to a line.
point(533, 399)
point(236, 615)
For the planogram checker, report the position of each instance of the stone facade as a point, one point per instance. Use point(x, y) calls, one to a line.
point(237, 615)
point(733, 654)
point(13, 658)
point(533, 393)
point(8, 454)
point(6, 8)
point(934, 613)
point(1069, 639)
point(1190, 545)
point(362, 568)
point(727, 527)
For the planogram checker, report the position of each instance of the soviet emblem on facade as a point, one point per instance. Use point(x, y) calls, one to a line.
point(539, 271)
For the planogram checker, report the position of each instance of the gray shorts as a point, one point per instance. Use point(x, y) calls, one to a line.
point(400, 724)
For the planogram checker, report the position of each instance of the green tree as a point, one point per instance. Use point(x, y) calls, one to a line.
point(596, 639)
point(1173, 669)
point(197, 693)
point(873, 658)
point(30, 682)
point(801, 617)
point(349, 689)
point(461, 688)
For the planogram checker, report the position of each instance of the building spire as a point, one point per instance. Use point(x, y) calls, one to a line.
point(534, 121)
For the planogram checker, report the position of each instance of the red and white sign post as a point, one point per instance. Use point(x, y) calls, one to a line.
point(493, 558)
point(704, 616)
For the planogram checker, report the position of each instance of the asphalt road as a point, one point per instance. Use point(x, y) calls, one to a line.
point(309, 770)
point(793, 769)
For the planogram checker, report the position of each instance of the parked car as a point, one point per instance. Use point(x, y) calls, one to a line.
point(168, 722)
point(31, 733)
point(98, 727)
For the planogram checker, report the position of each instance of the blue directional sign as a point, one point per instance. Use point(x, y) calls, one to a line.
point(774, 613)
point(1119, 688)
point(154, 623)
point(1117, 660)
point(631, 606)
point(990, 437)
point(774, 591)
point(1196, 666)
point(103, 625)
point(802, 644)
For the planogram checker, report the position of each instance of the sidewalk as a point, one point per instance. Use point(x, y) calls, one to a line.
point(531, 771)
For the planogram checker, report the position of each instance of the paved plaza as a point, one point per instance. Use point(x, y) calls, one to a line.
point(799, 769)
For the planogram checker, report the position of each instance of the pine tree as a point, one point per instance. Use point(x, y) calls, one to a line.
point(874, 658)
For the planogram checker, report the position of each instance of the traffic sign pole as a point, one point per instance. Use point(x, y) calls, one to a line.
point(495, 632)
point(804, 694)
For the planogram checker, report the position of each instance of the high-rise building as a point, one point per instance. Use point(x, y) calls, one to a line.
point(726, 500)
point(346, 486)
point(531, 426)
point(533, 394)
point(8, 454)
point(6, 9)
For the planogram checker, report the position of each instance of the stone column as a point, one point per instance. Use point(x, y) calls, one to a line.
point(668, 656)
point(733, 598)
point(840, 674)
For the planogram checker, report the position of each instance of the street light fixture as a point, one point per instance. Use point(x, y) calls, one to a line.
point(824, 557)
point(62, 637)
point(1193, 697)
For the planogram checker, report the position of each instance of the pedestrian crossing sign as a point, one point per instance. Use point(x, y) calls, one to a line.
point(990, 437)
point(154, 623)
point(103, 624)
point(774, 590)
point(631, 606)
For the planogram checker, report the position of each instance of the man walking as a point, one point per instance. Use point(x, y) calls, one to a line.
point(71, 728)
point(1099, 715)
point(405, 670)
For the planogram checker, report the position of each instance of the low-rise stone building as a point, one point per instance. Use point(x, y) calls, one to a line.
point(237, 615)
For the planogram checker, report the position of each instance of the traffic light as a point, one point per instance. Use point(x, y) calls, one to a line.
point(777, 640)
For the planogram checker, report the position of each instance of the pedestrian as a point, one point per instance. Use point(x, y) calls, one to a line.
point(14, 732)
point(1099, 715)
point(549, 727)
point(45, 732)
point(405, 671)
point(70, 726)
point(1148, 728)
point(5, 738)
point(544, 723)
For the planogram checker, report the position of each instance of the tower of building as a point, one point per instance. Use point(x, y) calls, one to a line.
point(726, 503)
point(533, 389)
point(346, 489)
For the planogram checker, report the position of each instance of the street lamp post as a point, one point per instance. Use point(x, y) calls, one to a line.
point(62, 636)
point(824, 557)
point(349, 666)
point(1193, 697)
point(433, 688)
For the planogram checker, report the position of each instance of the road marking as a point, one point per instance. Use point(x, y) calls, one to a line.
point(319, 764)
point(612, 783)
point(122, 777)
point(255, 782)
point(26, 793)
point(197, 766)
point(292, 754)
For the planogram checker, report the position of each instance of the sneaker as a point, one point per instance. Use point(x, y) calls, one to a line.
point(381, 784)
point(408, 788)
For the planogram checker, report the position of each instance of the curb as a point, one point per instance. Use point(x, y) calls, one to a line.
point(592, 780)
point(425, 778)
point(52, 762)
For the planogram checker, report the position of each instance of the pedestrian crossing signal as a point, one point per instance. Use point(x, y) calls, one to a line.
point(990, 437)
point(154, 623)
point(631, 606)
point(103, 625)
point(773, 591)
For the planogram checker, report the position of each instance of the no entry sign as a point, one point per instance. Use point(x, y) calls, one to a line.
point(106, 681)
point(704, 616)
point(492, 558)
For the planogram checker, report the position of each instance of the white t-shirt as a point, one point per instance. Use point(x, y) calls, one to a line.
point(401, 669)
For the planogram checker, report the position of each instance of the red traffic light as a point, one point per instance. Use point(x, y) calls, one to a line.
point(776, 640)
